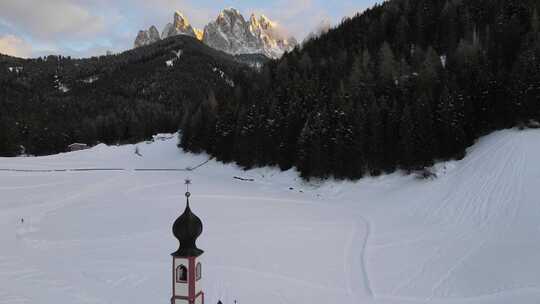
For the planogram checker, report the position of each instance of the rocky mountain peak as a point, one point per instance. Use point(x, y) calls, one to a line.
point(198, 33)
point(230, 19)
point(180, 26)
point(231, 12)
point(229, 32)
point(266, 23)
point(146, 37)
point(233, 34)
point(153, 31)
point(253, 20)
point(180, 21)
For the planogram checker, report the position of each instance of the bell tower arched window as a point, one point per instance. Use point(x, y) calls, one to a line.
point(198, 271)
point(181, 274)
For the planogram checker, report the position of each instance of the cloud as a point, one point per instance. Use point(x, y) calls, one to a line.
point(88, 27)
point(299, 17)
point(322, 28)
point(14, 46)
point(51, 18)
point(160, 12)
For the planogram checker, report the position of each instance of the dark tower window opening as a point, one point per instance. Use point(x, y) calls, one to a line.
point(181, 274)
point(198, 271)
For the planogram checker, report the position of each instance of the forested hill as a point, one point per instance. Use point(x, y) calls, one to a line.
point(401, 85)
point(48, 103)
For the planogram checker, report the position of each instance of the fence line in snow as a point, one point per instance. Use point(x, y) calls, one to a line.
point(188, 169)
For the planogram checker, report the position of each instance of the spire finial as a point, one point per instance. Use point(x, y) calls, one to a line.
point(187, 183)
point(187, 228)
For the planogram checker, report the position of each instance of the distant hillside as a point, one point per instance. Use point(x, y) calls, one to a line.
point(47, 103)
point(397, 87)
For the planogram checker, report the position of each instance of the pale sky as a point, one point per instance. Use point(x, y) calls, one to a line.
point(82, 28)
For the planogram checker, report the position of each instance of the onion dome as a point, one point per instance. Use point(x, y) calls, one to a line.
point(187, 228)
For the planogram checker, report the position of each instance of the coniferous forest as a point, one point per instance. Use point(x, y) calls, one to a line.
point(48, 103)
point(399, 86)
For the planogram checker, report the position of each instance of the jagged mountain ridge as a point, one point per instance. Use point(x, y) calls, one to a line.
point(230, 32)
point(180, 26)
point(146, 37)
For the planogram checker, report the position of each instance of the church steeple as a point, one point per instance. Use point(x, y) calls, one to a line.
point(187, 263)
point(187, 228)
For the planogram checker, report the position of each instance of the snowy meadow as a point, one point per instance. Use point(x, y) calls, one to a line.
point(472, 235)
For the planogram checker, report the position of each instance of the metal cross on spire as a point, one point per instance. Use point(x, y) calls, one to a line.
point(187, 183)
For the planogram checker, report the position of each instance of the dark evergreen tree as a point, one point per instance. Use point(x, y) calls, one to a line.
point(406, 139)
point(387, 67)
point(8, 141)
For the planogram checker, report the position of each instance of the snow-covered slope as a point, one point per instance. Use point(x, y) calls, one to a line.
point(470, 236)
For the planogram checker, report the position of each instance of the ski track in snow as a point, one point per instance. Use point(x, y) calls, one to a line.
point(513, 196)
point(477, 207)
point(97, 237)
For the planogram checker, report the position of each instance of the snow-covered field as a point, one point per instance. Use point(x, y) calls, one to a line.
point(470, 236)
